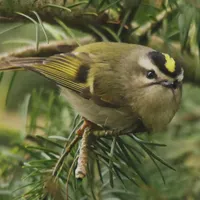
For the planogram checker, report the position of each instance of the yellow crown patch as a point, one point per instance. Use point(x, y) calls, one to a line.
point(170, 63)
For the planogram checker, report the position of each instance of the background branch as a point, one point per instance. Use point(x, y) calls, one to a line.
point(54, 47)
point(77, 17)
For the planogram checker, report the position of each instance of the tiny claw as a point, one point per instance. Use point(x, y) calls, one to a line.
point(86, 124)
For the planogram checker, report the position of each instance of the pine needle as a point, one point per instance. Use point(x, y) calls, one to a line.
point(36, 27)
point(42, 26)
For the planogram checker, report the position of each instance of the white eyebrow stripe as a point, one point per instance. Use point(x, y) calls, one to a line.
point(180, 76)
point(146, 63)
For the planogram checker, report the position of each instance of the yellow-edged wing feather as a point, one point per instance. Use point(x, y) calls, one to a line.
point(66, 70)
point(77, 72)
point(73, 72)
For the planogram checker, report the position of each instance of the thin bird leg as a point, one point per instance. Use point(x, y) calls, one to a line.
point(86, 124)
point(116, 132)
point(81, 170)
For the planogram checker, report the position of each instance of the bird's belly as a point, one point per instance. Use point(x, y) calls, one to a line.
point(107, 117)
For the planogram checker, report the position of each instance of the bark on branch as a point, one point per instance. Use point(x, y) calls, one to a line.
point(45, 50)
point(78, 18)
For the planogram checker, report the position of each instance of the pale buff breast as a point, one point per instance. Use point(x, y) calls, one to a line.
point(107, 117)
point(157, 106)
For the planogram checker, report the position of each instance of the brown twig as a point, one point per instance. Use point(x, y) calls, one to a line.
point(81, 169)
point(67, 151)
point(78, 18)
point(68, 176)
point(54, 47)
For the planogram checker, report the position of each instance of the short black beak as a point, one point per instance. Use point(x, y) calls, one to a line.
point(170, 84)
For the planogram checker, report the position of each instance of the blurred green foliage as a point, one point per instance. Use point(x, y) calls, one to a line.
point(24, 82)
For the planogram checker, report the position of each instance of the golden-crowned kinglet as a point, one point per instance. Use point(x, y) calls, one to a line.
point(115, 85)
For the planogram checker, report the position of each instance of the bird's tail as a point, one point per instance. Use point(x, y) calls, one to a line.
point(20, 63)
point(67, 70)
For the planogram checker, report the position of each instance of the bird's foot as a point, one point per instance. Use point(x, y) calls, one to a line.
point(104, 132)
point(86, 124)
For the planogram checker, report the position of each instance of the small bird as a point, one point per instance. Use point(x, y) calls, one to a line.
point(116, 86)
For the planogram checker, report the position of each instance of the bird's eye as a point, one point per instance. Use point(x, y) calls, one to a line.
point(151, 74)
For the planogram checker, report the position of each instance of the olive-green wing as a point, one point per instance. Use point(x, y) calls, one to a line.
point(79, 73)
point(75, 71)
point(66, 70)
